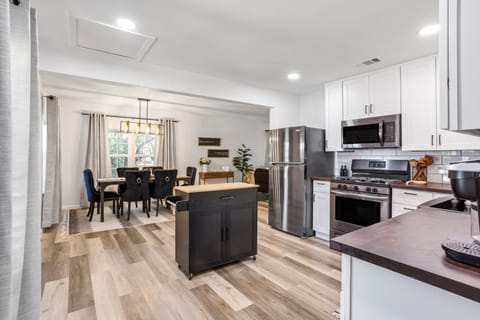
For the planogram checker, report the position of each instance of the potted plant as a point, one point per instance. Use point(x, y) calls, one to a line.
point(242, 162)
point(204, 162)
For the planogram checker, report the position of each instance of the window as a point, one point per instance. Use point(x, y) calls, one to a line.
point(130, 150)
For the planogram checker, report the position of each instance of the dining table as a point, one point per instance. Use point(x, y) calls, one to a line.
point(103, 183)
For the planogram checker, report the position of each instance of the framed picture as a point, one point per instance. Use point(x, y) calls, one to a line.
point(209, 142)
point(218, 153)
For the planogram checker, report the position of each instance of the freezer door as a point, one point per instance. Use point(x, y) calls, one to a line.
point(287, 145)
point(287, 207)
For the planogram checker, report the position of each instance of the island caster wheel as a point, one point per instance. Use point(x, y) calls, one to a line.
point(254, 257)
point(190, 276)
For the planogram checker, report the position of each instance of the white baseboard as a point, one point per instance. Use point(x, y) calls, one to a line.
point(73, 206)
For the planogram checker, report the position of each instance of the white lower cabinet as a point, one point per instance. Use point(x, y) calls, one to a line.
point(405, 200)
point(321, 209)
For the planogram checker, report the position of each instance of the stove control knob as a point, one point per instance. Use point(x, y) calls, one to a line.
point(368, 189)
point(355, 188)
point(345, 187)
point(339, 186)
point(375, 190)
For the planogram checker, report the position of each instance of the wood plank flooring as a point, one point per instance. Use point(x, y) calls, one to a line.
point(131, 273)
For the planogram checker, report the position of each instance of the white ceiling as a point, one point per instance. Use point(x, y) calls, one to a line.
point(96, 92)
point(259, 41)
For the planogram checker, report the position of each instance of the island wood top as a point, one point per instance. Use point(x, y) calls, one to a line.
point(215, 187)
point(429, 186)
point(410, 244)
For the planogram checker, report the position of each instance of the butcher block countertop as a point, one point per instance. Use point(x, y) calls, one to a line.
point(410, 244)
point(323, 178)
point(215, 187)
point(429, 186)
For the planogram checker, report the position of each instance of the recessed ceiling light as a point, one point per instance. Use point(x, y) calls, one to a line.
point(293, 76)
point(429, 30)
point(125, 24)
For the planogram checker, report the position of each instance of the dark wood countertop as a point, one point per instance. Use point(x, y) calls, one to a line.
point(323, 178)
point(410, 245)
point(429, 186)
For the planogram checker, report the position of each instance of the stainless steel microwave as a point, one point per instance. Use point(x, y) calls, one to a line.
point(375, 132)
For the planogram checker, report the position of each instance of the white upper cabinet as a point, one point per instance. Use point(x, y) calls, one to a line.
point(459, 46)
point(355, 98)
point(384, 86)
point(371, 95)
point(420, 111)
point(419, 124)
point(333, 116)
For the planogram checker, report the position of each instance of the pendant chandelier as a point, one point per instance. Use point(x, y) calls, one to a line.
point(142, 125)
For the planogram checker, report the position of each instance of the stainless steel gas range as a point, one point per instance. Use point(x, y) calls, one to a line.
point(364, 198)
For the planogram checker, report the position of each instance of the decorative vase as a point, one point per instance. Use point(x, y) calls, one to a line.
point(204, 167)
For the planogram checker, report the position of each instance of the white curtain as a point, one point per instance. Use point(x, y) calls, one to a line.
point(97, 153)
point(52, 198)
point(20, 177)
point(166, 145)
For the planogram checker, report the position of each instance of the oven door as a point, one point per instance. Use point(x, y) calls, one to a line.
point(351, 211)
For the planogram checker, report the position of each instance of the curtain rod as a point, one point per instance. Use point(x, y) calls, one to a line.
point(124, 117)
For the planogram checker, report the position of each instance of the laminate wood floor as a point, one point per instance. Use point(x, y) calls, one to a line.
point(131, 273)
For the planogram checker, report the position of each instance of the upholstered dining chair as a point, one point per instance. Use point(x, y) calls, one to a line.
point(93, 195)
point(164, 184)
point(136, 189)
point(121, 174)
point(191, 172)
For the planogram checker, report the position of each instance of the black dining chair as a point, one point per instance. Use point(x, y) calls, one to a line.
point(121, 174)
point(164, 184)
point(93, 195)
point(136, 189)
point(191, 172)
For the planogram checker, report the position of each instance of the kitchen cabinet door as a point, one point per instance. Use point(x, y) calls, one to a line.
point(451, 140)
point(241, 230)
point(355, 98)
point(207, 234)
point(321, 214)
point(384, 87)
point(419, 125)
point(333, 116)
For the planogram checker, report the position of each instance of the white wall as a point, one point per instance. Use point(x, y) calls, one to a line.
point(312, 109)
point(233, 129)
point(92, 65)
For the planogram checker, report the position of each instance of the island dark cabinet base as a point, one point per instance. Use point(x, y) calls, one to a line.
point(219, 227)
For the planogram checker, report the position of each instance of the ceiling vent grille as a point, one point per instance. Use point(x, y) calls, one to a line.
point(369, 62)
point(100, 37)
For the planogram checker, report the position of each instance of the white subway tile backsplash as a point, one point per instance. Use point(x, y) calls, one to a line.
point(441, 159)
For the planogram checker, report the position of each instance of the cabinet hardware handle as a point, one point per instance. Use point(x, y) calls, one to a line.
point(411, 193)
point(433, 137)
point(371, 108)
point(227, 198)
point(409, 209)
point(439, 139)
point(326, 144)
point(221, 235)
point(366, 109)
point(226, 233)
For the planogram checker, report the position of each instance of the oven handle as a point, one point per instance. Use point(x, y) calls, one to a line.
point(360, 196)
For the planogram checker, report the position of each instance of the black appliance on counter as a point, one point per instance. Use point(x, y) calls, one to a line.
point(465, 182)
point(364, 198)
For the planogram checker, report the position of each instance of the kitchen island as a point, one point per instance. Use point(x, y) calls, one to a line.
point(215, 224)
point(397, 269)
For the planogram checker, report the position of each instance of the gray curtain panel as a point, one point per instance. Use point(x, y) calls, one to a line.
point(20, 177)
point(52, 198)
point(166, 145)
point(97, 153)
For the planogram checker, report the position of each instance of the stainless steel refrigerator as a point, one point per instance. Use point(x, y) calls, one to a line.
point(296, 154)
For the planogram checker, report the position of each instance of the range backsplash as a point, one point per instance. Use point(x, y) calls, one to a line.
point(441, 159)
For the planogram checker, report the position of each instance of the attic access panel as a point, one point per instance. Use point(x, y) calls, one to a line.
point(97, 36)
